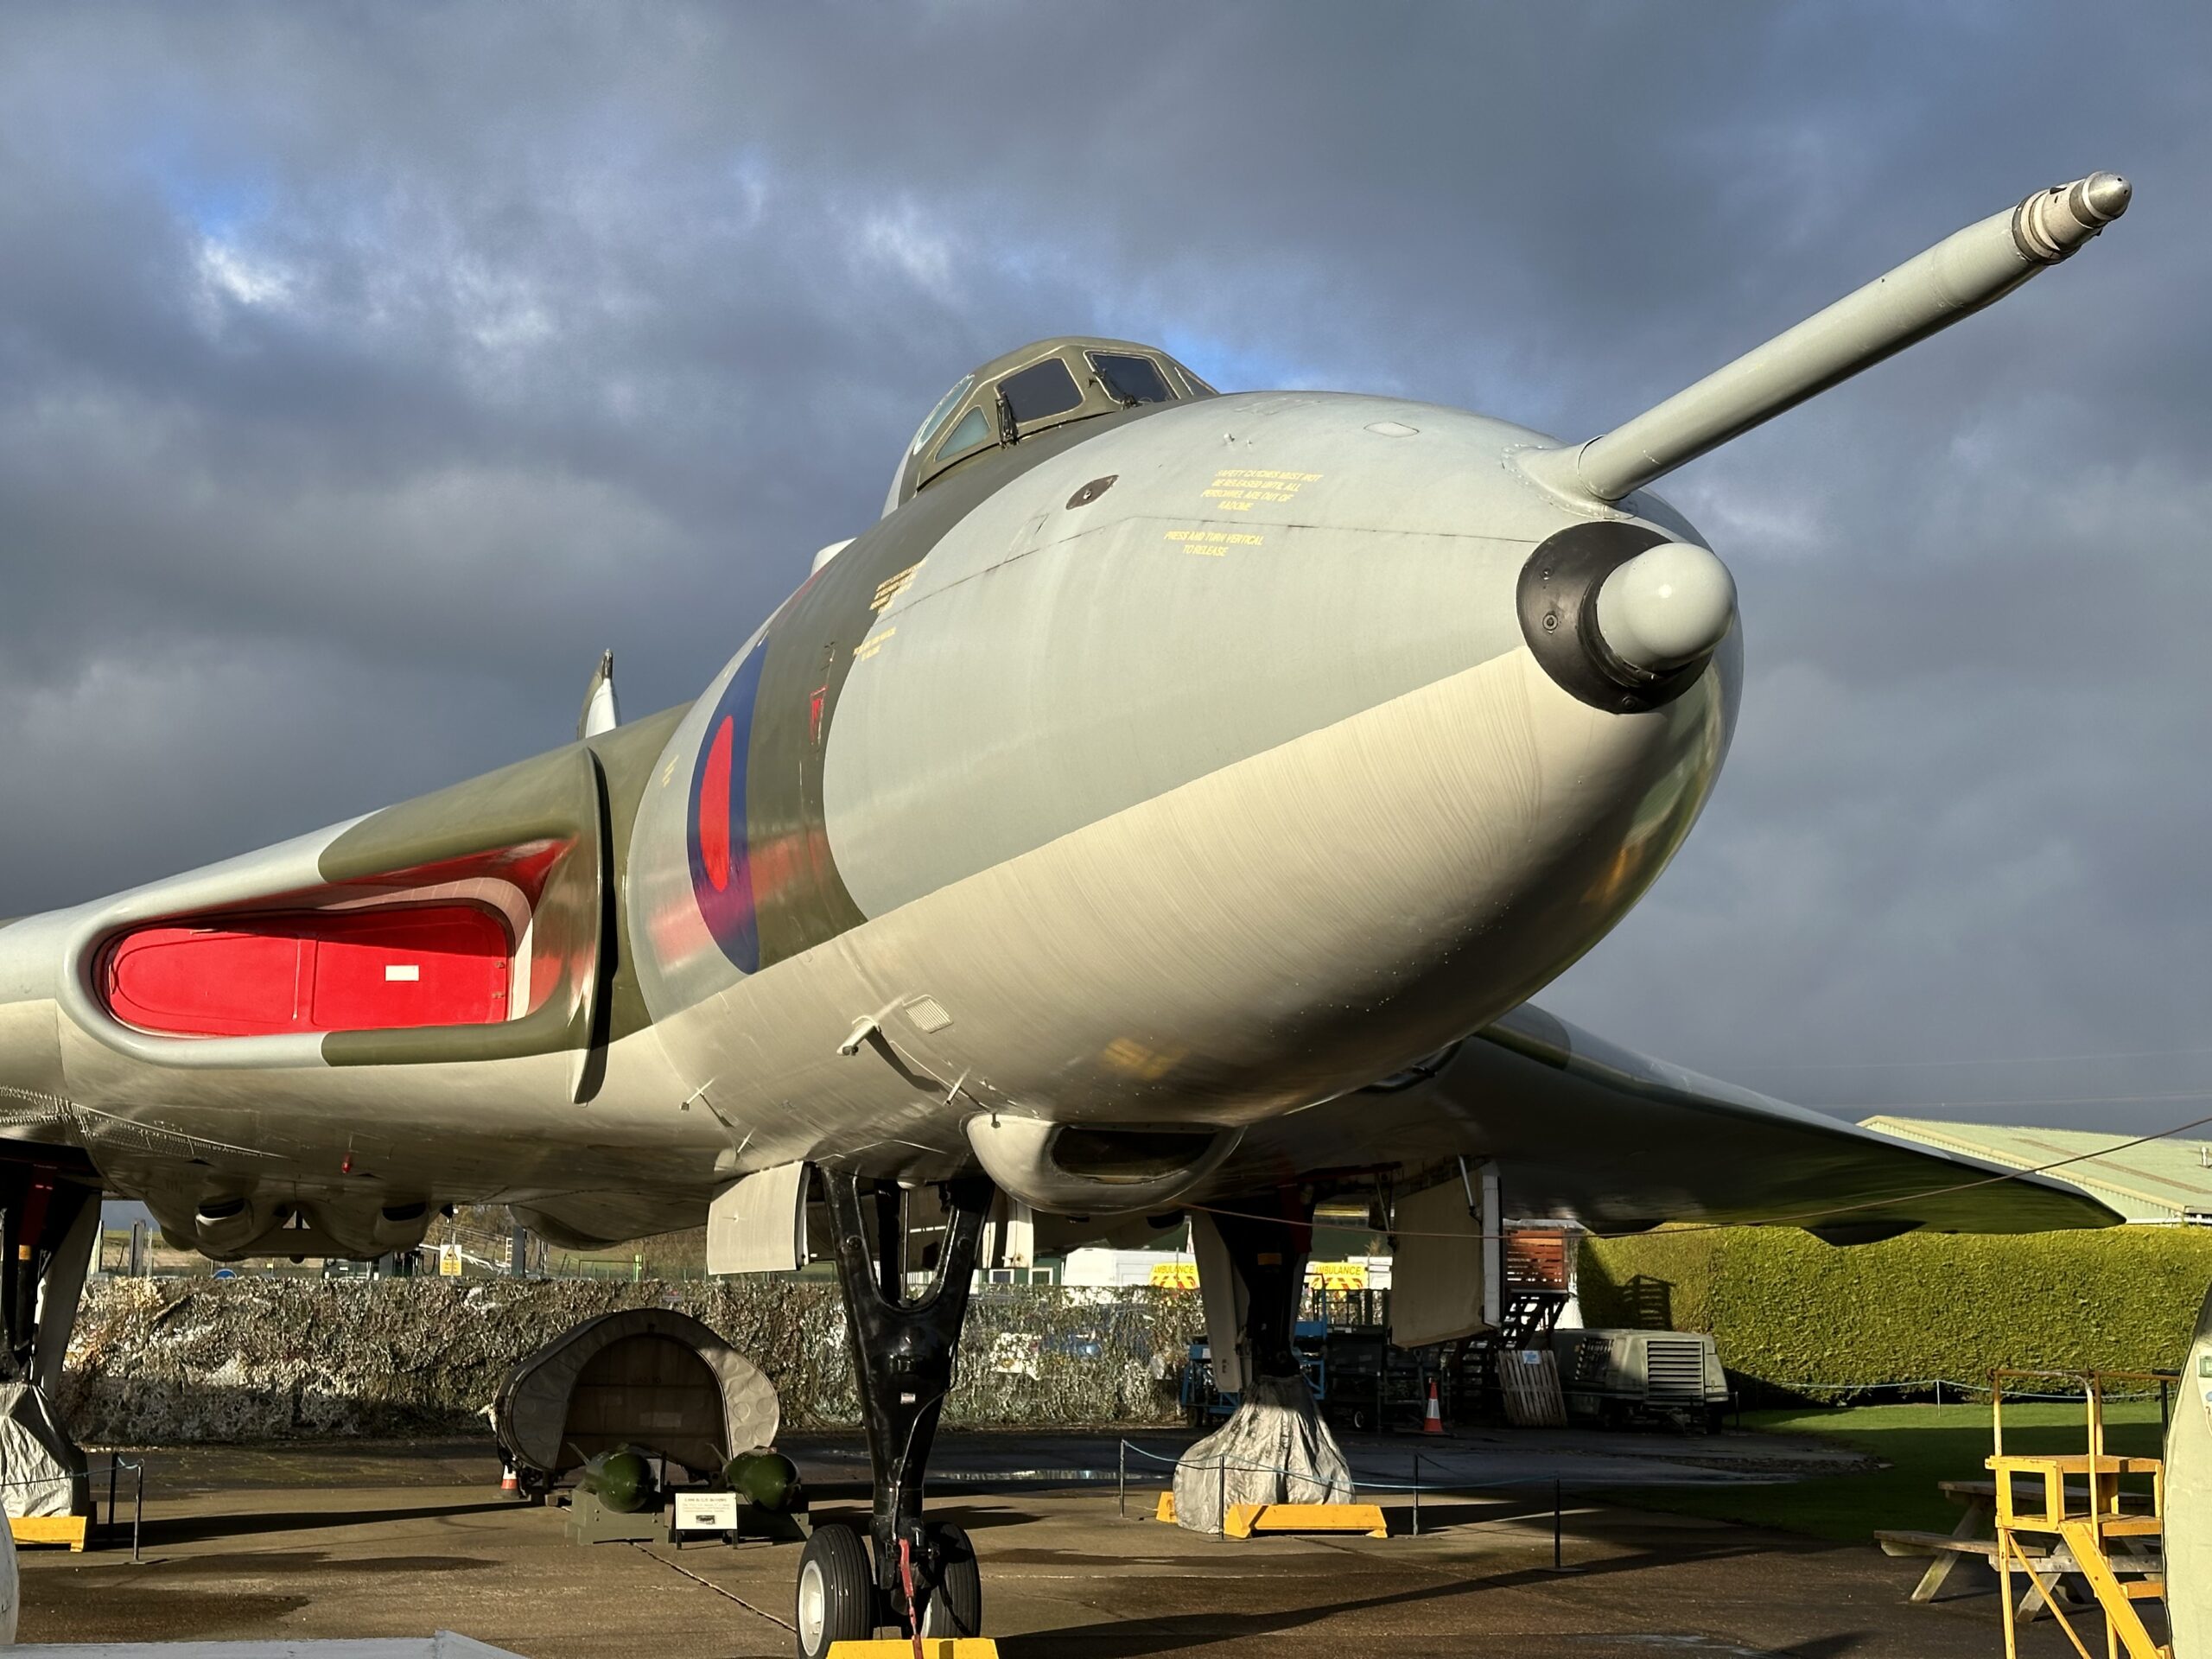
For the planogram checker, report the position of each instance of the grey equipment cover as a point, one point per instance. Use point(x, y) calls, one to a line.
point(1274, 1449)
point(11, 1589)
point(2189, 1500)
point(648, 1376)
point(41, 1471)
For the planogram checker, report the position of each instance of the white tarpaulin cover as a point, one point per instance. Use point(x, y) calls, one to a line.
point(41, 1471)
point(1274, 1449)
point(11, 1589)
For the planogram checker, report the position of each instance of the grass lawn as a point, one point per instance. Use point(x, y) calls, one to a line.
point(1920, 1445)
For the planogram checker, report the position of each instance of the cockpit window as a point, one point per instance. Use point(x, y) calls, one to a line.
point(1034, 389)
point(946, 405)
point(1131, 380)
point(974, 428)
point(1041, 390)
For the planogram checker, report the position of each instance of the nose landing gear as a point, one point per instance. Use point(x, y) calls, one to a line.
point(903, 1354)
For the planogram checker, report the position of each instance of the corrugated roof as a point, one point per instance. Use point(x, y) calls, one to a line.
point(2158, 1180)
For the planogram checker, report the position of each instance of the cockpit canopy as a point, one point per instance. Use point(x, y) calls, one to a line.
point(1046, 384)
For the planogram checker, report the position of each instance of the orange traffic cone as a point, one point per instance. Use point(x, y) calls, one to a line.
point(510, 1485)
point(1433, 1423)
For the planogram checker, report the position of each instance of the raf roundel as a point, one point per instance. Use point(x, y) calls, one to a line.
point(721, 868)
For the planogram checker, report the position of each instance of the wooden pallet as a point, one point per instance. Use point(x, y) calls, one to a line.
point(1528, 1378)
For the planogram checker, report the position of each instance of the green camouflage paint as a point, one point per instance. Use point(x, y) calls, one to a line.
point(627, 756)
point(801, 901)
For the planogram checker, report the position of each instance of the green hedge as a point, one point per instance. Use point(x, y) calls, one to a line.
point(1816, 1320)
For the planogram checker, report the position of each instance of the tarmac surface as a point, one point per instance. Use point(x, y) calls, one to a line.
point(358, 1540)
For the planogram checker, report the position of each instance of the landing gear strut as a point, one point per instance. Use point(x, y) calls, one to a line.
point(1275, 1448)
point(1267, 1236)
point(49, 1225)
point(903, 1353)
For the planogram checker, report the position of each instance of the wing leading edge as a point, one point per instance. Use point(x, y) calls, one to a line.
point(1584, 1128)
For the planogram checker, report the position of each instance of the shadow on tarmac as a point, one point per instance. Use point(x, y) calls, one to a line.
point(272, 1563)
point(855, 1512)
point(1132, 1638)
point(197, 1528)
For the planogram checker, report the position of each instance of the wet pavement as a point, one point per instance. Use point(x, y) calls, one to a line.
point(400, 1540)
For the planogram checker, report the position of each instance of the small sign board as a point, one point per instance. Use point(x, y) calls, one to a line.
point(1336, 1275)
point(706, 1512)
point(449, 1260)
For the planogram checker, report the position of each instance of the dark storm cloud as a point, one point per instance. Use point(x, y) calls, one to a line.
point(363, 372)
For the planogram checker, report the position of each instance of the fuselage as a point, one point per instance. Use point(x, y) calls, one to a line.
point(1153, 776)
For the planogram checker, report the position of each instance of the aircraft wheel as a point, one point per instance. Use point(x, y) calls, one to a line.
point(837, 1591)
point(957, 1609)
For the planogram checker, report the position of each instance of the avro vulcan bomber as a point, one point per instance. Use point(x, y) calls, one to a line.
point(1167, 809)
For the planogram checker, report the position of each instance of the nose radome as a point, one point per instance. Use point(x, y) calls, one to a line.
point(1668, 606)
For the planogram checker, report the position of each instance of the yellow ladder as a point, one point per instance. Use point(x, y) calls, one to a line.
point(2104, 1516)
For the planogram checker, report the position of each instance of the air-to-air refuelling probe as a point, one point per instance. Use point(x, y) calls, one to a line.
point(1167, 809)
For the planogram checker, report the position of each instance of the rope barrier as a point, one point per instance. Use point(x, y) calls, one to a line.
point(1364, 1485)
point(1417, 1485)
point(117, 1464)
point(1942, 1383)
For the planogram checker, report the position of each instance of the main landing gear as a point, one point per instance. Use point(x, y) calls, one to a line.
point(902, 1351)
point(49, 1226)
point(1275, 1448)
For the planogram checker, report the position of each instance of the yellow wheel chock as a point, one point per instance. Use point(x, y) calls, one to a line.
point(1245, 1519)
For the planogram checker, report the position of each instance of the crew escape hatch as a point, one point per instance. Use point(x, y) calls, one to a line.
point(469, 925)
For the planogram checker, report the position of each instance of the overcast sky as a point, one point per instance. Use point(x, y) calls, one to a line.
point(363, 372)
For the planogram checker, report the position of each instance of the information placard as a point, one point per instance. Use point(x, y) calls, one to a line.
point(706, 1512)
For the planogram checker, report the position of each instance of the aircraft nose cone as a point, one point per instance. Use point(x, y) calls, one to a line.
point(1668, 606)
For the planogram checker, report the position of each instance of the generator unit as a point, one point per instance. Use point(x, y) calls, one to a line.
point(1618, 1375)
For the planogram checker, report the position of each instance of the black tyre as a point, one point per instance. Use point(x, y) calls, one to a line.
point(957, 1608)
point(837, 1591)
